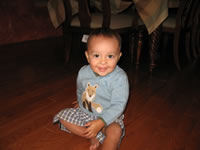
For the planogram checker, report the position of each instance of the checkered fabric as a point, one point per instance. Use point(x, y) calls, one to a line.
point(80, 118)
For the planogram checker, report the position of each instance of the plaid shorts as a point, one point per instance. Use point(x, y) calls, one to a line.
point(80, 118)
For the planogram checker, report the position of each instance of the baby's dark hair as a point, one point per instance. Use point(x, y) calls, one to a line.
point(106, 32)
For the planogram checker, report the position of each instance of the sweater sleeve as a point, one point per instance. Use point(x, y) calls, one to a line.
point(79, 88)
point(119, 98)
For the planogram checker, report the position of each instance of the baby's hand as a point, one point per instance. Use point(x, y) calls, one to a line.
point(93, 127)
point(75, 103)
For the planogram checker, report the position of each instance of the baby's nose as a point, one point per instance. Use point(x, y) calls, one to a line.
point(103, 60)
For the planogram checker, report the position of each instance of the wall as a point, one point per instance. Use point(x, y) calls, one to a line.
point(23, 20)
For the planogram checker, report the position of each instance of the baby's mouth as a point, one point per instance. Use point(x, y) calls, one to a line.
point(102, 69)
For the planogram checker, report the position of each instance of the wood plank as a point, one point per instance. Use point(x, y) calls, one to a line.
point(163, 112)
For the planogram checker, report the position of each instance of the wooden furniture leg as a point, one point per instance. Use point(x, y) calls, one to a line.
point(67, 46)
point(187, 46)
point(154, 44)
point(132, 46)
point(195, 35)
point(139, 46)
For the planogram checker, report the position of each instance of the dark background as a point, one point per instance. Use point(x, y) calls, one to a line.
point(25, 20)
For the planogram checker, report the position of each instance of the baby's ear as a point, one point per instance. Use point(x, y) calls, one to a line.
point(120, 55)
point(87, 55)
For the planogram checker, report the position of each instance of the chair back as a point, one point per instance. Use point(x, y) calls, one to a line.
point(179, 18)
point(85, 15)
point(101, 17)
point(173, 3)
point(68, 12)
point(184, 13)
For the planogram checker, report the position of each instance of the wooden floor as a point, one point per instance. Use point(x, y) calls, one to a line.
point(163, 112)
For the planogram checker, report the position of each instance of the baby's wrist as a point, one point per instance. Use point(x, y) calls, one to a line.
point(103, 121)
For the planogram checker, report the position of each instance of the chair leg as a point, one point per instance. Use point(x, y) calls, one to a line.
point(176, 48)
point(139, 47)
point(132, 46)
point(67, 42)
point(194, 40)
point(195, 34)
point(164, 48)
point(198, 43)
point(154, 44)
point(198, 31)
point(187, 46)
point(194, 50)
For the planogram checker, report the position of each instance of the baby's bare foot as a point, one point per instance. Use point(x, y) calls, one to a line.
point(94, 144)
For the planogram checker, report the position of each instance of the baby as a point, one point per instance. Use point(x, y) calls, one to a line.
point(102, 94)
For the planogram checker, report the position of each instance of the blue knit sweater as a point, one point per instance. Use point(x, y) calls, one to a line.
point(103, 96)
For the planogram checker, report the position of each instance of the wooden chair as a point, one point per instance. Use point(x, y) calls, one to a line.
point(86, 21)
point(195, 33)
point(176, 25)
point(190, 28)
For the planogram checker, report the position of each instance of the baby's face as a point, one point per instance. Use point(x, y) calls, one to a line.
point(103, 54)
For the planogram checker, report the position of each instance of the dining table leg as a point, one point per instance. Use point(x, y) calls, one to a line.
point(154, 42)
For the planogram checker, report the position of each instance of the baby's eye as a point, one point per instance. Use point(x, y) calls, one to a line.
point(110, 56)
point(96, 55)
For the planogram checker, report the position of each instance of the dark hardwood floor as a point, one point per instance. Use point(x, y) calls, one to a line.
point(163, 112)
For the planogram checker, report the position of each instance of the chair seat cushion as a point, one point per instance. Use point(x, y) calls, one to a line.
point(122, 20)
point(117, 6)
point(97, 20)
point(173, 3)
point(170, 22)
